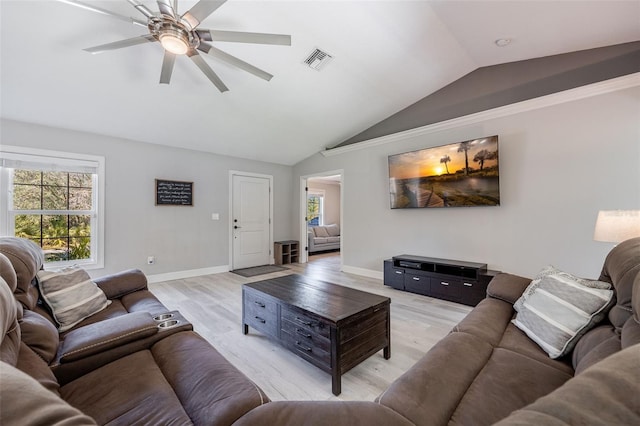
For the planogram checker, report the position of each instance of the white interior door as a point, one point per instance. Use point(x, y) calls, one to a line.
point(251, 221)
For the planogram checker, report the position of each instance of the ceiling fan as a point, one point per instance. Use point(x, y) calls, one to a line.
point(180, 35)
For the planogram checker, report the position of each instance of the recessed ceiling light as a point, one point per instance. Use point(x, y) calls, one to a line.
point(502, 42)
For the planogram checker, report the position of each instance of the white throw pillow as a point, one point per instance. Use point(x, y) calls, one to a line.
point(71, 295)
point(557, 308)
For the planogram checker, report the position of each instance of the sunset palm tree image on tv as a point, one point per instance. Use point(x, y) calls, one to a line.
point(460, 174)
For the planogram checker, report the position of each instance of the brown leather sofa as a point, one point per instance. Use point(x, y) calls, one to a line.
point(485, 371)
point(117, 367)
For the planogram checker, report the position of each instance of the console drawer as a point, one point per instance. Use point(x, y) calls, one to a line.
point(417, 283)
point(305, 321)
point(393, 276)
point(446, 288)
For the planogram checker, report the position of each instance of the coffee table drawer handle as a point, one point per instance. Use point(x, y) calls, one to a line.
point(259, 304)
point(261, 320)
point(300, 320)
point(444, 283)
point(301, 346)
point(302, 333)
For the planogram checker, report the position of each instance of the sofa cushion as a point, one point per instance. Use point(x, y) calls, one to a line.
point(333, 239)
point(320, 231)
point(131, 390)
point(28, 403)
point(36, 367)
point(212, 390)
point(594, 346)
point(517, 341)
point(333, 230)
point(320, 240)
point(558, 308)
point(429, 392)
point(605, 394)
point(71, 295)
point(620, 268)
point(9, 329)
point(7, 273)
point(40, 335)
point(27, 259)
point(507, 382)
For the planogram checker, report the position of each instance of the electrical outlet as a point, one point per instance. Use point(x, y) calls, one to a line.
point(151, 260)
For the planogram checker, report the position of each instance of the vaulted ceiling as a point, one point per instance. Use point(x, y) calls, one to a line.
point(386, 56)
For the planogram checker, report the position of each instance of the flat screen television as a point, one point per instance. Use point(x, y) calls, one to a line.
point(460, 174)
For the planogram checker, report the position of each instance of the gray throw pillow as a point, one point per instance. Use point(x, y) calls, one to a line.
point(333, 230)
point(557, 308)
point(321, 231)
point(71, 295)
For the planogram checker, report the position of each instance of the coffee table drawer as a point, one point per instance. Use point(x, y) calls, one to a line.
point(304, 335)
point(307, 349)
point(260, 313)
point(305, 321)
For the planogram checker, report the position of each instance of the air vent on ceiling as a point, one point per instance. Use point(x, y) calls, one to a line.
point(317, 59)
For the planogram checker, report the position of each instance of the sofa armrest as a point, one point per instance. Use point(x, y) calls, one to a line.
point(334, 413)
point(105, 335)
point(122, 283)
point(507, 287)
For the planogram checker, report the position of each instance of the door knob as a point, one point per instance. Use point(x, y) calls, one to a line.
point(236, 227)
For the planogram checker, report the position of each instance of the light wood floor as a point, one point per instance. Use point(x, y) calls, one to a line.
point(213, 303)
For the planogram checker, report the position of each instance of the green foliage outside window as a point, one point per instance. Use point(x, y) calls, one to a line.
point(63, 236)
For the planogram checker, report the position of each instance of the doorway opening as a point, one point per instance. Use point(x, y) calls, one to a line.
point(321, 203)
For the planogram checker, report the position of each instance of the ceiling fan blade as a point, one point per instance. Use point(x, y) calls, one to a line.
point(121, 43)
point(200, 11)
point(244, 37)
point(141, 8)
point(104, 12)
point(230, 59)
point(167, 67)
point(206, 69)
point(166, 8)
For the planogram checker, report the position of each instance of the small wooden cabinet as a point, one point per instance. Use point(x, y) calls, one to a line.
point(462, 282)
point(286, 252)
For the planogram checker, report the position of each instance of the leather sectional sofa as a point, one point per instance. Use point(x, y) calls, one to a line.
point(117, 367)
point(486, 371)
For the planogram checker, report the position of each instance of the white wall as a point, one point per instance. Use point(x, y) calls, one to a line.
point(331, 200)
point(181, 238)
point(559, 165)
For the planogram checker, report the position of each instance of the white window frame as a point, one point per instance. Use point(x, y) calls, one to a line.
point(55, 159)
point(320, 193)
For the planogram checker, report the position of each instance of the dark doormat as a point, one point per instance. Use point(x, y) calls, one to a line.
point(258, 270)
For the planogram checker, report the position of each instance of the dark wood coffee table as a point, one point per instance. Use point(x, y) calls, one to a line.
point(333, 327)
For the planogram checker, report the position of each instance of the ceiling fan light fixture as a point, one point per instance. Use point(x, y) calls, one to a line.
point(174, 41)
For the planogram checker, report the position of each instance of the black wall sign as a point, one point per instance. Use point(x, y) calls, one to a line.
point(174, 193)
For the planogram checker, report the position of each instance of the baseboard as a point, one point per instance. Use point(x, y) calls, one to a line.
point(179, 275)
point(369, 273)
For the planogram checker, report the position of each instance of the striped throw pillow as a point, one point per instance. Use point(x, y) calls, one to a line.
point(557, 308)
point(71, 295)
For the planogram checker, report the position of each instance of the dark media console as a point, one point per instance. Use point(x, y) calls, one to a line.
point(462, 282)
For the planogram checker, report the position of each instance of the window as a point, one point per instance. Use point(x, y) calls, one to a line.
point(54, 199)
point(315, 207)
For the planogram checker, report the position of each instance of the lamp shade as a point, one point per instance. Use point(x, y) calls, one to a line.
point(614, 226)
